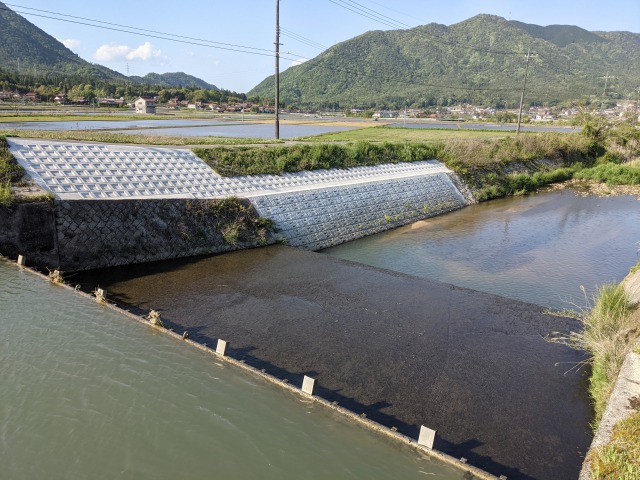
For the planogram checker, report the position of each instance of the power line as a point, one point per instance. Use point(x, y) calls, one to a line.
point(148, 33)
point(301, 39)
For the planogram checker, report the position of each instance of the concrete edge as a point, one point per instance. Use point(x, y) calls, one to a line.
point(348, 414)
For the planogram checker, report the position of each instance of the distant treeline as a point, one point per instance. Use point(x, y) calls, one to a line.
point(84, 85)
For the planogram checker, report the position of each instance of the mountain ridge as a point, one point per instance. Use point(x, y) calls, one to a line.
point(25, 48)
point(480, 60)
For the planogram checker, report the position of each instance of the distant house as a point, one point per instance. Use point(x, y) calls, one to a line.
point(32, 97)
point(145, 105)
point(60, 98)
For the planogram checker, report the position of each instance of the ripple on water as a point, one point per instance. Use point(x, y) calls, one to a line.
point(97, 396)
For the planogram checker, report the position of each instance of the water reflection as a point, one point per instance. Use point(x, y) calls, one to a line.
point(539, 248)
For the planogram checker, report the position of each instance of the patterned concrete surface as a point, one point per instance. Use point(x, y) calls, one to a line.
point(77, 171)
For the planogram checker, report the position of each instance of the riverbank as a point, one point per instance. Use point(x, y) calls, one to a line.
point(612, 336)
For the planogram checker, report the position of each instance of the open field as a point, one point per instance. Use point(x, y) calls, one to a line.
point(132, 138)
point(383, 133)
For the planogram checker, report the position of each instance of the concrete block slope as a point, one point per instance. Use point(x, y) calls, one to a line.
point(318, 219)
point(312, 209)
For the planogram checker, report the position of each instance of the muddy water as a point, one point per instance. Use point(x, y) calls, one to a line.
point(403, 350)
point(86, 393)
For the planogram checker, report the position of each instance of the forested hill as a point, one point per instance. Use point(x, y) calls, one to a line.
point(29, 50)
point(481, 60)
point(176, 79)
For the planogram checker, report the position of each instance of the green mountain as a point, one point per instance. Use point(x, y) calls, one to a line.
point(177, 79)
point(26, 49)
point(481, 60)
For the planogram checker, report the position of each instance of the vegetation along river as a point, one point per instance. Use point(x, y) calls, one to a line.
point(86, 392)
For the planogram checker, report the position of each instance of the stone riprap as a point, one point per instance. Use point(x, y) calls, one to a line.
point(312, 210)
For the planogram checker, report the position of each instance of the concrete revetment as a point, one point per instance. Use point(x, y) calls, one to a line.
point(119, 204)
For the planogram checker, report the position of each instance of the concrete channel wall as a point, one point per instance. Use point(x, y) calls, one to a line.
point(119, 204)
point(318, 219)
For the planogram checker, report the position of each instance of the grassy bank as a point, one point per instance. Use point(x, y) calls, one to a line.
point(620, 458)
point(10, 172)
point(132, 138)
point(491, 167)
point(611, 328)
point(612, 173)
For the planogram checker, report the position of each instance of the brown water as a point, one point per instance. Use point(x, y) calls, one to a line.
point(538, 248)
point(86, 393)
point(405, 350)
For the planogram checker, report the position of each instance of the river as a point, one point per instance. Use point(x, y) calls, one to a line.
point(538, 248)
point(86, 392)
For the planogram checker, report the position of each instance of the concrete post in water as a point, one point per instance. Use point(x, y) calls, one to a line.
point(21, 260)
point(427, 437)
point(221, 347)
point(308, 385)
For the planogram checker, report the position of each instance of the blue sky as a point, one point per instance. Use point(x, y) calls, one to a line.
point(308, 26)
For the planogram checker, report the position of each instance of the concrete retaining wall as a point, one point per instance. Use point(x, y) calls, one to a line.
point(29, 229)
point(76, 235)
point(87, 234)
point(321, 218)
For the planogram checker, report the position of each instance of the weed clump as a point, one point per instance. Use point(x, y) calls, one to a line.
point(620, 458)
point(55, 277)
point(608, 334)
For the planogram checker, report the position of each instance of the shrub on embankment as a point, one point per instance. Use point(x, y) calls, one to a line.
point(612, 173)
point(10, 172)
point(620, 458)
point(490, 167)
point(608, 334)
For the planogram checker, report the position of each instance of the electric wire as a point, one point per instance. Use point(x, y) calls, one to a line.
point(148, 33)
point(348, 4)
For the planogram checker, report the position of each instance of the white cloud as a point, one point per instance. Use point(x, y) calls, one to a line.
point(70, 43)
point(144, 52)
point(114, 51)
point(297, 62)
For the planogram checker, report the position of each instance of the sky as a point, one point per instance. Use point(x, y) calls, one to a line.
point(230, 44)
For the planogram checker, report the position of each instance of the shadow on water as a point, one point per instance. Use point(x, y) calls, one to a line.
point(404, 351)
point(373, 411)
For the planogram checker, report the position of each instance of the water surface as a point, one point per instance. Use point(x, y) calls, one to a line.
point(87, 393)
point(539, 248)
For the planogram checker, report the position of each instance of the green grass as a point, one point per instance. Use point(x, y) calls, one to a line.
point(612, 174)
point(10, 172)
point(132, 138)
point(280, 159)
point(608, 333)
point(5, 193)
point(620, 458)
point(383, 133)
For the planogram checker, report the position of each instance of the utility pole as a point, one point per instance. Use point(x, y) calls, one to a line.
point(277, 69)
point(606, 80)
point(524, 87)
